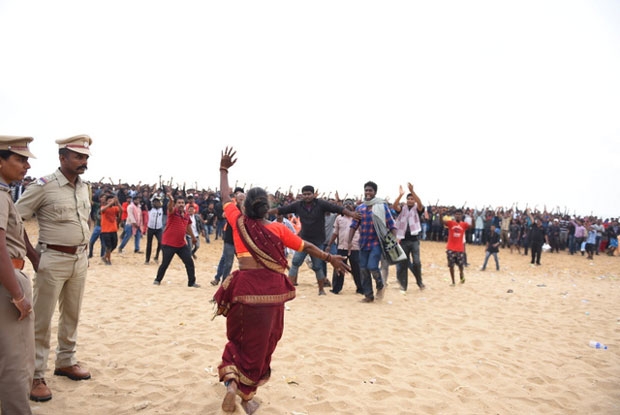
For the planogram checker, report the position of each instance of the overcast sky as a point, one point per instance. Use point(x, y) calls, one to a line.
point(477, 102)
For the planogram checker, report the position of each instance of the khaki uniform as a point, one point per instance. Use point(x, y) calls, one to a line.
point(16, 337)
point(62, 211)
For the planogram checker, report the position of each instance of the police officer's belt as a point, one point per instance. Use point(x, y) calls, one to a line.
point(65, 249)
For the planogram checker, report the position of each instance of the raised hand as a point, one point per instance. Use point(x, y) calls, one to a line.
point(228, 159)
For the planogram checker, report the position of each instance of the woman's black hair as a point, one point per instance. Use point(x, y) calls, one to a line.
point(256, 203)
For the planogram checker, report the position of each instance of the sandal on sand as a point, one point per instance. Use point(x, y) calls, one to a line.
point(228, 404)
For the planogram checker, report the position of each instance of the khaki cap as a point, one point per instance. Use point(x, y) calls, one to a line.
point(16, 144)
point(79, 144)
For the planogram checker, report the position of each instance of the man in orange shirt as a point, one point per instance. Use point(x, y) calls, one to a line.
point(110, 218)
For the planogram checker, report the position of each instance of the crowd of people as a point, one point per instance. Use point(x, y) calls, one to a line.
point(257, 228)
point(587, 235)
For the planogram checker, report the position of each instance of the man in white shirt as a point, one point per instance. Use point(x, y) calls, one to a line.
point(155, 227)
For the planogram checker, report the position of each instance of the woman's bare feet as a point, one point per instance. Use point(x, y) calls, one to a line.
point(250, 406)
point(228, 404)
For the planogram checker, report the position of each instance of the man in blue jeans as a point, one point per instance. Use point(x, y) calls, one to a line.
point(95, 216)
point(228, 251)
point(370, 248)
point(133, 225)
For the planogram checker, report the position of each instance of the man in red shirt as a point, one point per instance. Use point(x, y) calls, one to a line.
point(173, 240)
point(455, 248)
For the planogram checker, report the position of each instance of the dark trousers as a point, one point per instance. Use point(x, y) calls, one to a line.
point(413, 263)
point(149, 242)
point(186, 256)
point(554, 241)
point(536, 252)
point(354, 261)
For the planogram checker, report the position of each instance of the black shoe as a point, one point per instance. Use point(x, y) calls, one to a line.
point(194, 285)
point(156, 282)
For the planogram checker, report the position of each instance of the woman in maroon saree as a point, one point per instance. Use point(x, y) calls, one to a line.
point(252, 298)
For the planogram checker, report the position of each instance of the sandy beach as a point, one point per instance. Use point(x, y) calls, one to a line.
point(513, 341)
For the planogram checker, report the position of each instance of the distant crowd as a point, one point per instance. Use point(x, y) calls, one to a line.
point(565, 232)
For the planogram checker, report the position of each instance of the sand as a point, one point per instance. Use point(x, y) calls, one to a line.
point(507, 342)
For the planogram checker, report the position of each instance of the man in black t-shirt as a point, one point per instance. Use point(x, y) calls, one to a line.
point(311, 212)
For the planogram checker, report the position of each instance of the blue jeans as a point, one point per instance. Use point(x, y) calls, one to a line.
point(208, 231)
point(298, 260)
point(128, 234)
point(369, 270)
point(424, 231)
point(226, 262)
point(219, 228)
point(370, 259)
point(478, 236)
point(571, 244)
point(486, 259)
point(93, 238)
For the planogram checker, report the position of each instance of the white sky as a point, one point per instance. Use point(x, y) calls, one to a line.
point(484, 102)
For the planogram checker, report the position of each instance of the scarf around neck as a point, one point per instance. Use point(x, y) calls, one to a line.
point(408, 216)
point(378, 215)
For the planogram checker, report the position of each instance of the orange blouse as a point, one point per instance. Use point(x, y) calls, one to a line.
point(288, 238)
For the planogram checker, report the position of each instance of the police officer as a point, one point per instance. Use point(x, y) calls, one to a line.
point(61, 202)
point(16, 318)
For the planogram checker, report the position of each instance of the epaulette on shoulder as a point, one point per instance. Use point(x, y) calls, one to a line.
point(42, 181)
